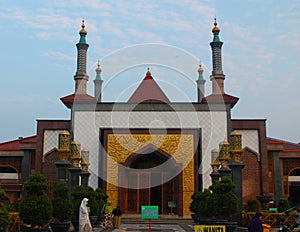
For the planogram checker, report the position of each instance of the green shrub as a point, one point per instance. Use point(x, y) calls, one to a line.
point(3, 195)
point(200, 201)
point(101, 197)
point(97, 199)
point(252, 206)
point(36, 207)
point(283, 205)
point(62, 205)
point(4, 218)
point(36, 184)
point(36, 210)
point(14, 206)
point(78, 193)
point(219, 201)
point(4, 215)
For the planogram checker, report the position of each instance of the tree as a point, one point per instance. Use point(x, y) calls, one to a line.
point(223, 202)
point(62, 205)
point(218, 201)
point(199, 203)
point(36, 208)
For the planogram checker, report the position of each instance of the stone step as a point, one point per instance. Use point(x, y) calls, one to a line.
point(162, 219)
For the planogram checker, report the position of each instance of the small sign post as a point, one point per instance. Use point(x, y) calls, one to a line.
point(171, 204)
point(149, 212)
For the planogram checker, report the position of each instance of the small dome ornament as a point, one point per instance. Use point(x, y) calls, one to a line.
point(215, 29)
point(200, 69)
point(98, 69)
point(82, 31)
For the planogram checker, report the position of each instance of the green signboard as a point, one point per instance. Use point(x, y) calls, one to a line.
point(149, 212)
point(172, 204)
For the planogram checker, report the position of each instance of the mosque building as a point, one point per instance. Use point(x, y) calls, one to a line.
point(138, 162)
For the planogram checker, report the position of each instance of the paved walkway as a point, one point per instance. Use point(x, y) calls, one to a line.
point(154, 228)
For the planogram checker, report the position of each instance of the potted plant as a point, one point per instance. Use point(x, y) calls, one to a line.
point(283, 205)
point(218, 203)
point(77, 195)
point(4, 215)
point(252, 206)
point(36, 207)
point(94, 205)
point(199, 205)
point(62, 208)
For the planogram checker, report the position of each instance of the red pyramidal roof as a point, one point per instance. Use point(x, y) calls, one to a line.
point(15, 145)
point(148, 91)
point(78, 98)
point(221, 98)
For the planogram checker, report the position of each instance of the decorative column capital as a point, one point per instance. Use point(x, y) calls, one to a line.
point(236, 149)
point(224, 156)
point(85, 160)
point(75, 154)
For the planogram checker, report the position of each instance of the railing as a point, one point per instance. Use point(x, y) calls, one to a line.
point(14, 222)
point(270, 218)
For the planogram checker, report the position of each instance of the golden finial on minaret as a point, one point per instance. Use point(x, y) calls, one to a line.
point(215, 29)
point(82, 31)
point(98, 69)
point(200, 69)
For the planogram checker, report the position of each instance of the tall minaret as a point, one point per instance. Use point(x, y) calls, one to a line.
point(98, 83)
point(81, 78)
point(217, 77)
point(200, 83)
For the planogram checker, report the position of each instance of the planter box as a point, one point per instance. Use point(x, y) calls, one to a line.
point(60, 226)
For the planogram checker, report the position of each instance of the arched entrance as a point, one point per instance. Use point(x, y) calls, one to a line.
point(294, 185)
point(148, 183)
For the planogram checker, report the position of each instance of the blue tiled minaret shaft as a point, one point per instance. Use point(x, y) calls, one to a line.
point(81, 78)
point(217, 77)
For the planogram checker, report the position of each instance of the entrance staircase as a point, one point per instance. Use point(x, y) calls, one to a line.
point(162, 219)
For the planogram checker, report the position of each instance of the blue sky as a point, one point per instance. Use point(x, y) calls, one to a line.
point(261, 55)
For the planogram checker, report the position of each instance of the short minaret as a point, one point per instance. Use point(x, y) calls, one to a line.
point(217, 77)
point(200, 83)
point(98, 83)
point(81, 78)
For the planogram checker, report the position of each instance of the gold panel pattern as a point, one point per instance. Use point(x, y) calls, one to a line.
point(179, 146)
point(236, 149)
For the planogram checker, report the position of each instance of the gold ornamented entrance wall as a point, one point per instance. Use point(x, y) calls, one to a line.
point(179, 146)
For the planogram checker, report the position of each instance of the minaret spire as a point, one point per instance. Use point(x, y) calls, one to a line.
point(200, 83)
point(217, 77)
point(81, 78)
point(98, 83)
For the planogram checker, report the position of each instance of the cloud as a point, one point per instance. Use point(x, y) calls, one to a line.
point(265, 54)
point(59, 55)
point(110, 27)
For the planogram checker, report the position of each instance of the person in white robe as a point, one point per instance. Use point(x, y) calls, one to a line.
point(84, 220)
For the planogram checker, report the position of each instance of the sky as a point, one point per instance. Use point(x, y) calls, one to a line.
point(261, 55)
